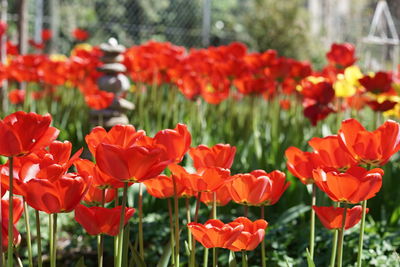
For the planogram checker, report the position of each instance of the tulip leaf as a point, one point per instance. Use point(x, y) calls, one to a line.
point(310, 262)
point(292, 214)
point(136, 259)
point(81, 262)
point(232, 259)
point(166, 255)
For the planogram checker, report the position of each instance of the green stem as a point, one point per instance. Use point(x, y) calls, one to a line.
point(361, 240)
point(187, 204)
point(176, 217)
point(116, 243)
point(215, 257)
point(28, 233)
point(341, 236)
point(312, 220)
point(214, 209)
point(263, 259)
point(10, 212)
point(140, 207)
point(244, 259)
point(54, 256)
point(121, 225)
point(205, 257)
point(196, 215)
point(100, 239)
point(334, 244)
point(38, 239)
point(171, 230)
point(51, 236)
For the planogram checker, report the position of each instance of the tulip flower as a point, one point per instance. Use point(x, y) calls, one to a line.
point(215, 234)
point(22, 133)
point(331, 154)
point(80, 35)
point(98, 220)
point(301, 164)
point(17, 212)
point(355, 185)
point(95, 195)
point(258, 188)
point(222, 195)
point(175, 142)
point(373, 148)
point(341, 55)
point(380, 83)
point(251, 236)
point(220, 155)
point(208, 181)
point(332, 217)
point(162, 187)
point(61, 195)
point(99, 178)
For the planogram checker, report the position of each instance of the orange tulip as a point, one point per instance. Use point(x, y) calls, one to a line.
point(331, 153)
point(258, 188)
point(208, 181)
point(223, 196)
point(332, 217)
point(374, 148)
point(215, 234)
point(94, 195)
point(62, 195)
point(220, 155)
point(175, 142)
point(355, 185)
point(251, 236)
point(98, 220)
point(301, 164)
point(21, 133)
point(162, 187)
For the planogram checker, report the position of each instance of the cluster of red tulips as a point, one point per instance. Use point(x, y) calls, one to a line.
point(215, 74)
point(345, 168)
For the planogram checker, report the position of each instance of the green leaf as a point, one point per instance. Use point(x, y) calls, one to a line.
point(166, 255)
point(136, 259)
point(81, 262)
point(232, 259)
point(292, 214)
point(310, 261)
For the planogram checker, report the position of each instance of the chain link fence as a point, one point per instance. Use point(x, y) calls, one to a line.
point(200, 23)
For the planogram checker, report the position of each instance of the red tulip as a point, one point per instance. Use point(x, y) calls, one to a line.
point(123, 136)
point(98, 220)
point(380, 83)
point(99, 178)
point(80, 35)
point(332, 217)
point(62, 195)
point(16, 96)
point(373, 148)
point(222, 195)
point(17, 212)
point(220, 155)
point(46, 35)
point(331, 153)
point(355, 185)
point(341, 55)
point(94, 195)
point(301, 164)
point(258, 188)
point(215, 234)
point(251, 236)
point(22, 133)
point(175, 142)
point(209, 180)
point(162, 187)
point(99, 99)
